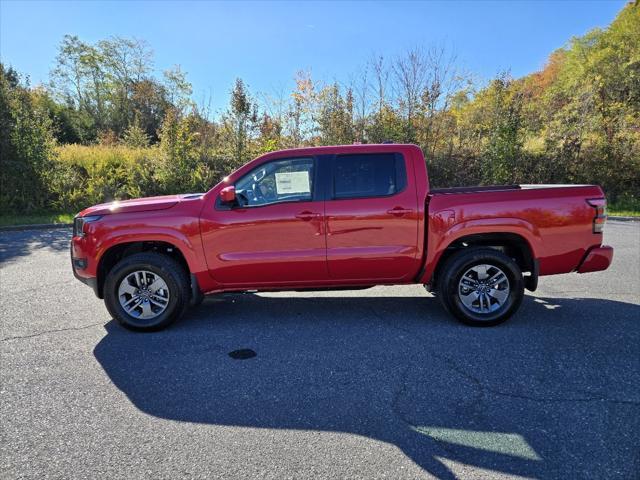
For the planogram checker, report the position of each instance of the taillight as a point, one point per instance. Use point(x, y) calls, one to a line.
point(600, 204)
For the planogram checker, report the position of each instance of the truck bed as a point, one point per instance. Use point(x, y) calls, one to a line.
point(555, 220)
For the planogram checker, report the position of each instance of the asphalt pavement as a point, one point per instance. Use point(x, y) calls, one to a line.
point(376, 383)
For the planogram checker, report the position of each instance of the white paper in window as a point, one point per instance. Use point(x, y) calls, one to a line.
point(292, 182)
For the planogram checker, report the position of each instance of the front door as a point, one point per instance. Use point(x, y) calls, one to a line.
point(372, 219)
point(274, 235)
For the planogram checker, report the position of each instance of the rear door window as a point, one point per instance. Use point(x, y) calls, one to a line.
point(368, 175)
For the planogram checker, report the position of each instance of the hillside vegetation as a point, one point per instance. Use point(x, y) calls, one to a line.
point(105, 127)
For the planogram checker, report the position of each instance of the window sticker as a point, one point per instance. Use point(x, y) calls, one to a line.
point(292, 182)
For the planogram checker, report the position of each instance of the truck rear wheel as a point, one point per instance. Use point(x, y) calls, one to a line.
point(481, 286)
point(146, 291)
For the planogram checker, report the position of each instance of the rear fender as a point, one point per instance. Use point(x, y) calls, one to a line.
point(440, 239)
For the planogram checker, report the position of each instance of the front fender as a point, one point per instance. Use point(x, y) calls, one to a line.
point(178, 239)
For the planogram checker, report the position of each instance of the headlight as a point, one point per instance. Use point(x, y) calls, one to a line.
point(79, 222)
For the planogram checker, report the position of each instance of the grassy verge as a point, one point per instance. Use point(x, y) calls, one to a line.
point(624, 207)
point(34, 219)
point(623, 213)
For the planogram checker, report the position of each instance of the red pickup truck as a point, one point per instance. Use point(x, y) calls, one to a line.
point(333, 218)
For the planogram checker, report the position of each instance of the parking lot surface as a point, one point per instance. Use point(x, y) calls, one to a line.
point(376, 383)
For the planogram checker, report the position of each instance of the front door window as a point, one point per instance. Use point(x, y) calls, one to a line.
point(289, 180)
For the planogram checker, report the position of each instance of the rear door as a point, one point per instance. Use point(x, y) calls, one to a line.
point(372, 218)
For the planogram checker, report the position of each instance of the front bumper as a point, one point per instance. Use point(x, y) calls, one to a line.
point(90, 281)
point(597, 259)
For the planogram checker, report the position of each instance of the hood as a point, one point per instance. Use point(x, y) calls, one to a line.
point(135, 205)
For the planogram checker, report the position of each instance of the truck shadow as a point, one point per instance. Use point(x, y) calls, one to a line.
point(548, 394)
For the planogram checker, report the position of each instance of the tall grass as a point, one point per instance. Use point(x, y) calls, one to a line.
point(86, 175)
point(96, 156)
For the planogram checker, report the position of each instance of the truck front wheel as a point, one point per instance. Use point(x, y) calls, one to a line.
point(146, 291)
point(481, 286)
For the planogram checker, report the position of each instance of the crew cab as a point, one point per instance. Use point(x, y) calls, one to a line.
point(337, 217)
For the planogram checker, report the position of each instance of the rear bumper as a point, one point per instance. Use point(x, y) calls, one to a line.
point(597, 259)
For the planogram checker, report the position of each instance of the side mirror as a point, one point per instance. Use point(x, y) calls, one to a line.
point(228, 194)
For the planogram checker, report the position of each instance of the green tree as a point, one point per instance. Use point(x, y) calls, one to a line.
point(504, 144)
point(27, 147)
point(240, 122)
point(335, 116)
point(135, 136)
point(106, 84)
point(178, 89)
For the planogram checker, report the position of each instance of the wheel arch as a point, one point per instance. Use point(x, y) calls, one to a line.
point(512, 244)
point(118, 251)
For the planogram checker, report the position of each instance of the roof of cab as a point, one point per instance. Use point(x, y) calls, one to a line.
point(337, 149)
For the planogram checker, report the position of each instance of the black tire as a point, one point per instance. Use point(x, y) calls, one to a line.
point(448, 285)
point(166, 268)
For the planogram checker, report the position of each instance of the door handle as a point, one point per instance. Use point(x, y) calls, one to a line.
point(306, 216)
point(399, 211)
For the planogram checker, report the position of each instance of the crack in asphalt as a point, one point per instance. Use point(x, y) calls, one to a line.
point(454, 366)
point(395, 408)
point(46, 332)
point(478, 384)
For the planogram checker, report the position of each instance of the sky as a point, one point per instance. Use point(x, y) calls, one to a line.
point(266, 43)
